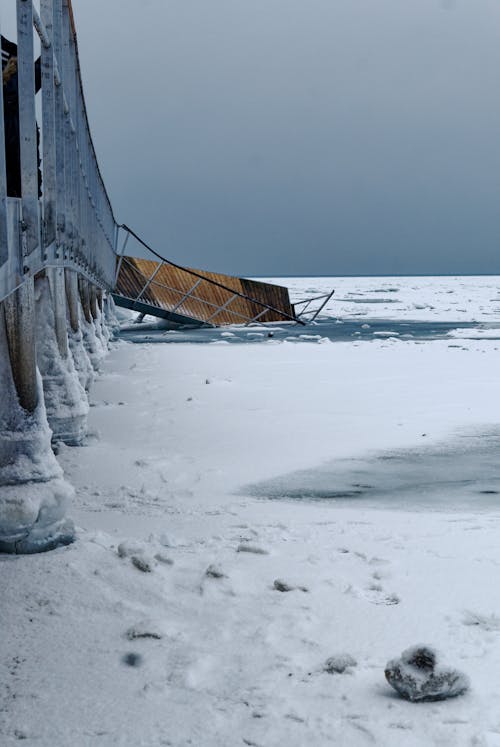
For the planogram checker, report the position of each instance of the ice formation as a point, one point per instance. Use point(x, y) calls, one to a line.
point(65, 398)
point(33, 493)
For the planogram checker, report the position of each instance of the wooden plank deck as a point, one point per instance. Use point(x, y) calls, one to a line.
point(189, 296)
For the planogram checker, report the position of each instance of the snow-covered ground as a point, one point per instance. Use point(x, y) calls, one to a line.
point(363, 475)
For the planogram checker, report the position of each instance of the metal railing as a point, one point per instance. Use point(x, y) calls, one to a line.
point(71, 224)
point(307, 313)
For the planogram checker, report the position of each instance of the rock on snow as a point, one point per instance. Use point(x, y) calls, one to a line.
point(417, 675)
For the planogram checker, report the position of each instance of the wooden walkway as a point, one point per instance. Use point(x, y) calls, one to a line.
point(185, 296)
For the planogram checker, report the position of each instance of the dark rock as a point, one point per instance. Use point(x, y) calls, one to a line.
point(282, 585)
point(132, 659)
point(418, 676)
point(142, 563)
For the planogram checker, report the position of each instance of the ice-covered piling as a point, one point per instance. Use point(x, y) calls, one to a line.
point(75, 315)
point(45, 368)
point(65, 398)
point(92, 340)
point(33, 492)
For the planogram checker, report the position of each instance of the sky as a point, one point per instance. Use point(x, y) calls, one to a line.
point(300, 137)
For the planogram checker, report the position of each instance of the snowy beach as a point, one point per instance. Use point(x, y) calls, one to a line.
point(251, 505)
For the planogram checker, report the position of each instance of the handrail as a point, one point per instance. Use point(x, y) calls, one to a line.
point(315, 312)
point(72, 224)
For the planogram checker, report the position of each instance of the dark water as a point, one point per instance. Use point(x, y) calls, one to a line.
point(463, 473)
point(334, 330)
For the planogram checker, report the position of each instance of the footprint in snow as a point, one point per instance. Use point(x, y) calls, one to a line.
point(161, 557)
point(283, 586)
point(376, 595)
point(215, 571)
point(255, 549)
point(484, 622)
point(145, 629)
point(213, 574)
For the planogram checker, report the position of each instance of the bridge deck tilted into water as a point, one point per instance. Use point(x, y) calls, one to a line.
point(195, 298)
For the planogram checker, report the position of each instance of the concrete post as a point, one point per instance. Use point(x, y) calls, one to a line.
point(58, 292)
point(72, 298)
point(19, 315)
point(93, 300)
point(83, 287)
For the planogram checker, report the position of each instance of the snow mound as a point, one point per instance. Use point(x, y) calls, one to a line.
point(340, 664)
point(418, 676)
point(130, 547)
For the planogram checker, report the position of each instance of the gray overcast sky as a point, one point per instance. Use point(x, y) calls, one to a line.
point(300, 136)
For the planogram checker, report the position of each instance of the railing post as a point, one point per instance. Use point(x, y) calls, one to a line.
point(4, 249)
point(59, 134)
point(49, 132)
point(30, 223)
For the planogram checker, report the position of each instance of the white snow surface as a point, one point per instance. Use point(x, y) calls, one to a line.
point(363, 475)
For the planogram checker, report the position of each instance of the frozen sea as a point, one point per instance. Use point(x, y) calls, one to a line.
point(455, 310)
point(354, 462)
